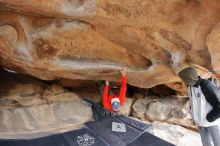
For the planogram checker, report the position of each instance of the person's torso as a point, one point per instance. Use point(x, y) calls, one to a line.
point(200, 107)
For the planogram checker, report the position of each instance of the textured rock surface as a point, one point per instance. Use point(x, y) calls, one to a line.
point(32, 108)
point(92, 39)
point(170, 110)
point(43, 119)
point(28, 95)
point(127, 107)
point(213, 47)
point(176, 134)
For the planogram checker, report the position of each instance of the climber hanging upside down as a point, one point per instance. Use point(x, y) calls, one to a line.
point(112, 102)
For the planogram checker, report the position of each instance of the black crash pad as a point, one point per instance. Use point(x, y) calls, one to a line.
point(122, 138)
point(97, 133)
point(82, 137)
point(133, 123)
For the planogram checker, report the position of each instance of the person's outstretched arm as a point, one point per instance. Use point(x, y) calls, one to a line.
point(123, 89)
point(106, 102)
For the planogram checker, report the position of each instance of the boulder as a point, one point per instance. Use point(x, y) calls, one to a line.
point(41, 120)
point(92, 39)
point(127, 107)
point(170, 109)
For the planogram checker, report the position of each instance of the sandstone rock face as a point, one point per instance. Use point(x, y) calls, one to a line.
point(213, 46)
point(170, 110)
point(175, 134)
point(28, 95)
point(43, 119)
point(92, 39)
point(127, 107)
point(31, 108)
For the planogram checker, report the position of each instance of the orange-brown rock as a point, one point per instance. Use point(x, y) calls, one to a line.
point(92, 39)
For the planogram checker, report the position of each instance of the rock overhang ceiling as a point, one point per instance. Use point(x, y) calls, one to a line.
point(92, 39)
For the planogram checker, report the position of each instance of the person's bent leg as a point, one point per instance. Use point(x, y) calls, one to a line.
point(205, 136)
point(215, 134)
